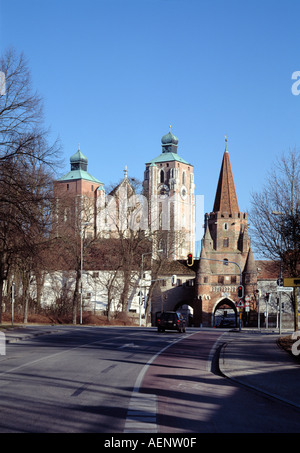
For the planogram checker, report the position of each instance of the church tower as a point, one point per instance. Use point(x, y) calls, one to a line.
point(76, 194)
point(226, 259)
point(169, 188)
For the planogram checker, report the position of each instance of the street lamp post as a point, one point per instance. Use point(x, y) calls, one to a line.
point(81, 266)
point(281, 265)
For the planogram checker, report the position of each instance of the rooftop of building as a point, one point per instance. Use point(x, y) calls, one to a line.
point(169, 150)
point(78, 170)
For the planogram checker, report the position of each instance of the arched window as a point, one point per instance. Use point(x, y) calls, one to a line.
point(162, 176)
point(183, 178)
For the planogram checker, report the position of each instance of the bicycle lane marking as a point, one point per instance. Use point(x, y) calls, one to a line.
point(142, 409)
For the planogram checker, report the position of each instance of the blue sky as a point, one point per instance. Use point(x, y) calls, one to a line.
point(115, 73)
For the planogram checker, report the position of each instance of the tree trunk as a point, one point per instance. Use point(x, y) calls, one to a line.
point(1, 299)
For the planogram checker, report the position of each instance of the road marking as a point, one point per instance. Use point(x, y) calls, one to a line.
point(142, 409)
point(56, 354)
point(212, 352)
point(141, 414)
point(128, 345)
point(80, 389)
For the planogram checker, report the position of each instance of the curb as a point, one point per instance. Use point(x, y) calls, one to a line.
point(25, 336)
point(227, 374)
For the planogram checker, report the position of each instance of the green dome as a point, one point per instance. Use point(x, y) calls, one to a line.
point(78, 157)
point(169, 139)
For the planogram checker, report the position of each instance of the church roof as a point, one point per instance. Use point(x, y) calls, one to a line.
point(226, 199)
point(204, 267)
point(169, 139)
point(78, 157)
point(168, 157)
point(79, 163)
point(250, 266)
point(79, 174)
point(169, 150)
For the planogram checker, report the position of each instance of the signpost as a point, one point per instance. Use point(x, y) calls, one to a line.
point(12, 303)
point(240, 305)
point(293, 282)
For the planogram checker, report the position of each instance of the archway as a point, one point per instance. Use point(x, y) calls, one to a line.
point(188, 311)
point(225, 311)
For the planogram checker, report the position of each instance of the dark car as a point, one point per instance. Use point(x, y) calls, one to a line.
point(170, 320)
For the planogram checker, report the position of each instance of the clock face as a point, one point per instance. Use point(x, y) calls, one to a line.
point(163, 191)
point(183, 192)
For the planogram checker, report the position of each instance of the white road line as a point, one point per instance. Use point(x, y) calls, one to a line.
point(142, 409)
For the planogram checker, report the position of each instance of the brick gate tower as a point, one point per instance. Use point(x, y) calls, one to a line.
point(226, 255)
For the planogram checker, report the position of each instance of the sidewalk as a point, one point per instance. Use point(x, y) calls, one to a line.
point(15, 334)
point(254, 360)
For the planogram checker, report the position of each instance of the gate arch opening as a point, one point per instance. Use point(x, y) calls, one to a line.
point(226, 313)
point(188, 312)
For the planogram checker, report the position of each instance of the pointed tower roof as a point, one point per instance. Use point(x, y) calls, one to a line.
point(250, 266)
point(204, 267)
point(207, 239)
point(226, 199)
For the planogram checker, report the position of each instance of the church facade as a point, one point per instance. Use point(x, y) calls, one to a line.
point(207, 290)
point(170, 190)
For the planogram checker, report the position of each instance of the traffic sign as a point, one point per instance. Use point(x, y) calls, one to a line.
point(282, 289)
point(280, 282)
point(294, 282)
point(240, 304)
point(247, 298)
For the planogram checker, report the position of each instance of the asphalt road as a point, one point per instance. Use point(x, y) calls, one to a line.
point(86, 380)
point(79, 379)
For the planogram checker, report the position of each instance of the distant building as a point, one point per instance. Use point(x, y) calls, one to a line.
point(205, 292)
point(226, 259)
point(77, 194)
point(170, 190)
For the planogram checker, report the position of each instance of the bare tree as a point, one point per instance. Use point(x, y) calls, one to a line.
point(73, 226)
point(123, 210)
point(277, 236)
point(21, 113)
point(26, 160)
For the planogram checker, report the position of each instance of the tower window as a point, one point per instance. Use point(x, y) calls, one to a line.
point(183, 178)
point(162, 176)
point(68, 186)
point(226, 242)
point(225, 226)
point(92, 188)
